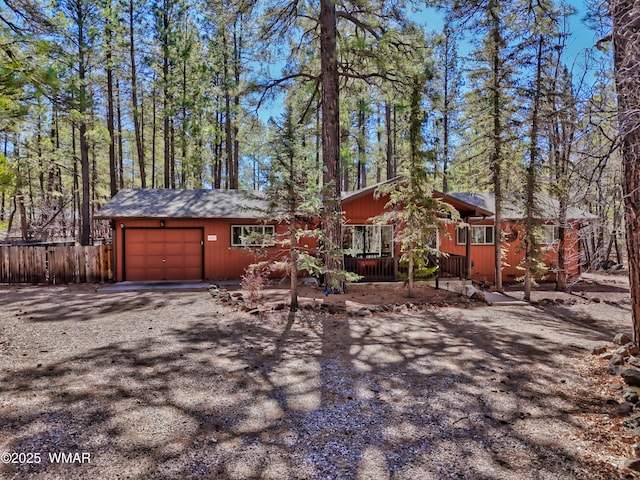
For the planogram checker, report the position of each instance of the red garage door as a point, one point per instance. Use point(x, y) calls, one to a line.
point(162, 254)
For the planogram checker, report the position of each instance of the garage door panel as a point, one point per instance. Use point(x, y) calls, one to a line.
point(174, 274)
point(192, 261)
point(163, 254)
point(195, 272)
point(174, 261)
point(175, 249)
point(153, 249)
point(136, 236)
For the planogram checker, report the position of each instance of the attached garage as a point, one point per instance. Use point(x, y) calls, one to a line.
point(163, 254)
point(174, 235)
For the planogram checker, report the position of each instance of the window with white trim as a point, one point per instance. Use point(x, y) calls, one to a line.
point(263, 235)
point(480, 235)
point(368, 241)
point(549, 234)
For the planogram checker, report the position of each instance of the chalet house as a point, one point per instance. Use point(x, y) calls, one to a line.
point(161, 234)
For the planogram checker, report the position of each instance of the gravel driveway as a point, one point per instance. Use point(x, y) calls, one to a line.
point(172, 385)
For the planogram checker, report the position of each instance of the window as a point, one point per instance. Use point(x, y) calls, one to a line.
point(549, 234)
point(240, 234)
point(368, 241)
point(461, 235)
point(480, 235)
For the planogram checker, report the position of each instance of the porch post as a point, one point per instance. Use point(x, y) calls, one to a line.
point(394, 251)
point(467, 252)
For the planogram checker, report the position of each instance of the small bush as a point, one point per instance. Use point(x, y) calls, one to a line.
point(253, 282)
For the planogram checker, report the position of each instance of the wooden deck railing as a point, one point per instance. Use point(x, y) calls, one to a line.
point(371, 269)
point(452, 266)
point(382, 268)
point(55, 265)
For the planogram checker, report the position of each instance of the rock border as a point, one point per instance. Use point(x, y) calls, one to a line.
point(236, 299)
point(624, 361)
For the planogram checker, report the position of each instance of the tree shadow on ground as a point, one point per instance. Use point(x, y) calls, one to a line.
point(433, 395)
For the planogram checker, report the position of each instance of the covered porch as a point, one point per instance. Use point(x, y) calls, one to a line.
point(378, 269)
point(381, 269)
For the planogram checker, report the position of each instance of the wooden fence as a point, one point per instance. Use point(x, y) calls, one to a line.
point(55, 265)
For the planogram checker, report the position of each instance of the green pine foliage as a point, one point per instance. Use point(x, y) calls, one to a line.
point(418, 216)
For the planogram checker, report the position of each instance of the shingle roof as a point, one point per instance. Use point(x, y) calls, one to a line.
point(166, 203)
point(546, 208)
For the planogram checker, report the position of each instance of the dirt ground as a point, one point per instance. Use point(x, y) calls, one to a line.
point(176, 385)
point(370, 295)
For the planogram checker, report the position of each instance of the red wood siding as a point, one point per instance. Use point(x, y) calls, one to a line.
point(360, 210)
point(221, 261)
point(482, 256)
point(482, 266)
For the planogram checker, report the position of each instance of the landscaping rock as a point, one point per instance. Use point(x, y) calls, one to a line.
point(631, 376)
point(632, 464)
point(622, 351)
point(615, 370)
point(624, 408)
point(632, 349)
point(634, 361)
point(621, 339)
point(632, 423)
point(616, 359)
point(630, 395)
point(333, 309)
point(479, 296)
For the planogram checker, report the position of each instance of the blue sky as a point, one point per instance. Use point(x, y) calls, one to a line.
point(581, 42)
point(579, 45)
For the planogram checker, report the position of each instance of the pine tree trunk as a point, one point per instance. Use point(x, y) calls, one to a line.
point(237, 60)
point(626, 45)
point(362, 155)
point(166, 121)
point(134, 100)
point(410, 293)
point(561, 277)
point(85, 235)
point(294, 266)
point(183, 133)
point(154, 132)
point(113, 178)
point(391, 172)
point(332, 205)
point(496, 157)
point(531, 178)
point(120, 159)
